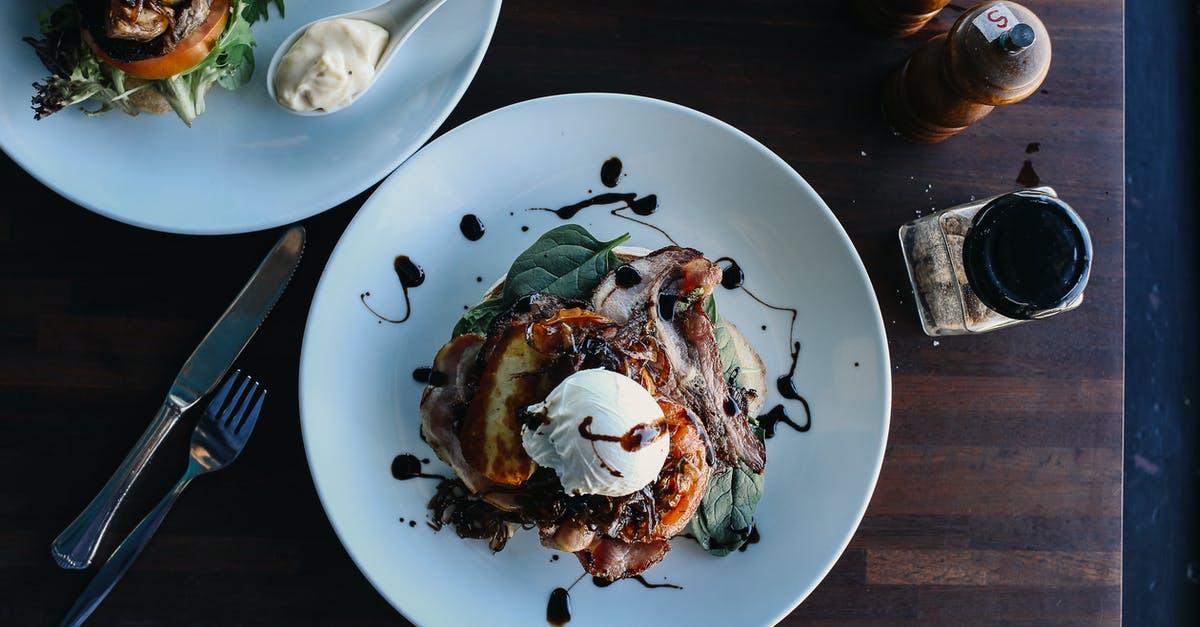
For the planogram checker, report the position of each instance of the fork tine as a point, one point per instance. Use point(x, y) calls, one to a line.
point(228, 409)
point(246, 424)
point(242, 405)
point(218, 401)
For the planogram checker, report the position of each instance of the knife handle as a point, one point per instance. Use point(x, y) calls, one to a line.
point(75, 547)
point(122, 558)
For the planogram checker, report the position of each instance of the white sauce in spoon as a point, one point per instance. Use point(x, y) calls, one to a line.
point(331, 63)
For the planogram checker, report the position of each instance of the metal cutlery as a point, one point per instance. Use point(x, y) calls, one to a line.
point(76, 546)
point(220, 435)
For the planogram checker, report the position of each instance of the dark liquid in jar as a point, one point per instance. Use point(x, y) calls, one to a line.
point(1026, 253)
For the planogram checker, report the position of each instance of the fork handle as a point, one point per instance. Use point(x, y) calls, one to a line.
point(75, 547)
point(123, 557)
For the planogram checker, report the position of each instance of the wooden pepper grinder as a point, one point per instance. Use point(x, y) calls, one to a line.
point(898, 18)
point(997, 53)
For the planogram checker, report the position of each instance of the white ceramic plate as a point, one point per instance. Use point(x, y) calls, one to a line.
point(719, 191)
point(246, 164)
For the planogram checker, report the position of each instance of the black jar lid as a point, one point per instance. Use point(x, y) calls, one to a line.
point(1027, 253)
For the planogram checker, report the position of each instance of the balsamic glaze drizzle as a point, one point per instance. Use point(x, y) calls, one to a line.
point(644, 206)
point(734, 278)
point(637, 438)
point(770, 420)
point(410, 275)
point(753, 538)
point(601, 582)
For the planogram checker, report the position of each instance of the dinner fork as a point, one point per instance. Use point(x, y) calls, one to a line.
point(219, 436)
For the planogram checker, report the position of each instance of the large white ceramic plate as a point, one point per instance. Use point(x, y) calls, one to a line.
point(246, 164)
point(719, 191)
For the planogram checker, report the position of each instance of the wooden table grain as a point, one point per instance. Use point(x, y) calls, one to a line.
point(1000, 495)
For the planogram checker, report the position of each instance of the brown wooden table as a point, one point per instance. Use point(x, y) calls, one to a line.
point(1000, 497)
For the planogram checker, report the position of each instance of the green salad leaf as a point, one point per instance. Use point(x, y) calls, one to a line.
point(725, 517)
point(77, 74)
point(258, 9)
point(723, 522)
point(479, 318)
point(566, 261)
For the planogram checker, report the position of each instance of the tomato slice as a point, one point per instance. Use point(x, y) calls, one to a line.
point(186, 54)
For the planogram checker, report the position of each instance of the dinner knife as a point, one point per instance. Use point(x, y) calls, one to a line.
point(76, 546)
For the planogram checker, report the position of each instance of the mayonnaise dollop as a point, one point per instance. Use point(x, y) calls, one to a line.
point(601, 432)
point(331, 63)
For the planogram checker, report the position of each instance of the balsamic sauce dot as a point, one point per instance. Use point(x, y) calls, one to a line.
point(627, 276)
point(733, 277)
point(471, 227)
point(410, 274)
point(524, 228)
point(610, 172)
point(1028, 177)
point(558, 609)
point(666, 305)
point(406, 466)
point(430, 376)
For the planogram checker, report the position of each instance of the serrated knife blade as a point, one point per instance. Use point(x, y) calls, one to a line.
point(76, 546)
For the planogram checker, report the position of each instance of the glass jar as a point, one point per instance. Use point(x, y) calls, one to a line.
point(997, 262)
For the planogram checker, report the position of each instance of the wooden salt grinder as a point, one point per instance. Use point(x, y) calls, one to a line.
point(996, 54)
point(898, 18)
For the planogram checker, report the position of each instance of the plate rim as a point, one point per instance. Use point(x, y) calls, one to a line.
point(879, 331)
point(378, 174)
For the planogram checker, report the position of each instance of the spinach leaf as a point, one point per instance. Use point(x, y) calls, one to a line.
point(730, 362)
point(479, 318)
point(566, 261)
point(726, 514)
point(723, 521)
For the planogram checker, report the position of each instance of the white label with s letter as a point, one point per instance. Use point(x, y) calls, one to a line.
point(995, 21)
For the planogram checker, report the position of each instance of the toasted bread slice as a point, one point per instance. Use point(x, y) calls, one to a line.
point(491, 434)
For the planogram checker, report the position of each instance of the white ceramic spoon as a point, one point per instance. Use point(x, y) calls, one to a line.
point(400, 18)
